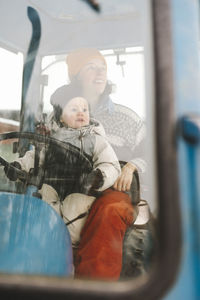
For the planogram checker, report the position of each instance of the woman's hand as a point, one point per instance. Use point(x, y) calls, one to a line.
point(123, 182)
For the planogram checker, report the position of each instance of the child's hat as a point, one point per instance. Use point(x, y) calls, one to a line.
point(61, 97)
point(78, 58)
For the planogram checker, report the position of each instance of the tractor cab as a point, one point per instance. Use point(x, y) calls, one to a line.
point(35, 40)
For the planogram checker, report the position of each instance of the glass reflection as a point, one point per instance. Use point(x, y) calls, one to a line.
point(99, 178)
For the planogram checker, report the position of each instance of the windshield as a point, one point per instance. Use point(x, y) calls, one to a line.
point(85, 79)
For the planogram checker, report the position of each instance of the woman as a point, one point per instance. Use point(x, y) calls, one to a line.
point(99, 254)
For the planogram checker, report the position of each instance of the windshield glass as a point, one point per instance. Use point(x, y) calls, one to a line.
point(83, 81)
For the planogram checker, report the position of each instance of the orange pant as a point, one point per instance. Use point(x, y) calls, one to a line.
point(99, 255)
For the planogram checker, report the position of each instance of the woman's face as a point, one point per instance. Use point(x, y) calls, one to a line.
point(76, 113)
point(93, 77)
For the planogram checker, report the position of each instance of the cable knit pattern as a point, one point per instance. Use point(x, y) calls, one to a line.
point(125, 130)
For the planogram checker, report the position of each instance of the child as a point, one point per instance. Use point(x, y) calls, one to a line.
point(75, 127)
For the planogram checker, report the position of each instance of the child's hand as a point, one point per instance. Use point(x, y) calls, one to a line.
point(93, 182)
point(10, 172)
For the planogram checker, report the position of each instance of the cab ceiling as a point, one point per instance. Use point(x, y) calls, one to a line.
point(68, 24)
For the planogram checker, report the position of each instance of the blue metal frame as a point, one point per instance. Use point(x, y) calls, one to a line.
point(185, 30)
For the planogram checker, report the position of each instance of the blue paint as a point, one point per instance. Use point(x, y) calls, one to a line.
point(187, 284)
point(33, 237)
point(185, 31)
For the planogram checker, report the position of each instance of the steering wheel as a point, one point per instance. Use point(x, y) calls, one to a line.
point(64, 150)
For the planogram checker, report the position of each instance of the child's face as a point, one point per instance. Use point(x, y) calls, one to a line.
point(76, 113)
